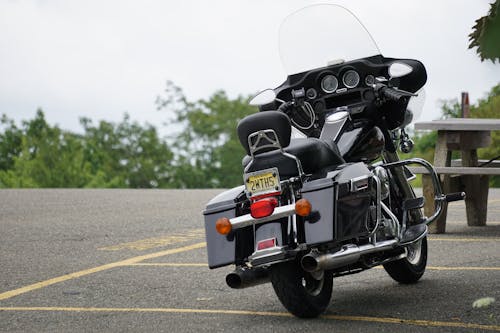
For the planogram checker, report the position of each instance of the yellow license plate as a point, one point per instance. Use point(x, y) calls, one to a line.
point(262, 182)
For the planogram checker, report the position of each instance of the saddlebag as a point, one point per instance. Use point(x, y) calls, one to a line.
point(220, 248)
point(340, 204)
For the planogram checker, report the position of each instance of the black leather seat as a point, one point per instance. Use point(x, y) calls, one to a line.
point(315, 156)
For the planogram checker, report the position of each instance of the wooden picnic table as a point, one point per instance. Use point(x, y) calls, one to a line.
point(465, 135)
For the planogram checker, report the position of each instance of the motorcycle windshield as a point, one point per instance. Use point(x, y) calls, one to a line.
point(319, 35)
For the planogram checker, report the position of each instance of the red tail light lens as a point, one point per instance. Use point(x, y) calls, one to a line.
point(263, 207)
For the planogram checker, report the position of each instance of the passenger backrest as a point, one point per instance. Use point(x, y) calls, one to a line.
point(262, 121)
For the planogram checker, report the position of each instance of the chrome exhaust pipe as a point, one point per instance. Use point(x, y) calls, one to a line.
point(247, 277)
point(348, 254)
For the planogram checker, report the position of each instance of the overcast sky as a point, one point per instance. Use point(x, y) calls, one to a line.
point(100, 59)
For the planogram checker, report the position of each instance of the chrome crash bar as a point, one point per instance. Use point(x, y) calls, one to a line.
point(439, 196)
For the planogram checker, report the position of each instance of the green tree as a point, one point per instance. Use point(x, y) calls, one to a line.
point(46, 157)
point(486, 34)
point(107, 155)
point(126, 155)
point(208, 152)
point(10, 143)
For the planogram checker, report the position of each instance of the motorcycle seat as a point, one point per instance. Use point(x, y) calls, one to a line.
point(315, 156)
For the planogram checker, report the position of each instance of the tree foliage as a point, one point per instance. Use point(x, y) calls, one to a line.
point(486, 34)
point(208, 152)
point(107, 155)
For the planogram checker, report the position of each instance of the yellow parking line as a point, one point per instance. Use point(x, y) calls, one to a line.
point(62, 278)
point(384, 320)
point(169, 264)
point(451, 239)
point(463, 268)
point(149, 243)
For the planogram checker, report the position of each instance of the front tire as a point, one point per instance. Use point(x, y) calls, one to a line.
point(410, 269)
point(305, 295)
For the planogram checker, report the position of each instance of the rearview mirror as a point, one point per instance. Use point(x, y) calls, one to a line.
point(399, 69)
point(264, 97)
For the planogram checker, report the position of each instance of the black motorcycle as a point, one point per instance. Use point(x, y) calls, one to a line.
point(325, 193)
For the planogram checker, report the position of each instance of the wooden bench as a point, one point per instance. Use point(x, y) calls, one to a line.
point(466, 136)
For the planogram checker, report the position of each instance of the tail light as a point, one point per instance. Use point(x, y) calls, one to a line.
point(263, 207)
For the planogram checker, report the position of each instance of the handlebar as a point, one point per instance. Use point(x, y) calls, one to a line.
point(393, 94)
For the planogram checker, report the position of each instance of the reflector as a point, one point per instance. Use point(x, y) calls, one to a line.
point(265, 244)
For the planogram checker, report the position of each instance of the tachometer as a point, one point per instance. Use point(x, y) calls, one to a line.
point(329, 83)
point(350, 78)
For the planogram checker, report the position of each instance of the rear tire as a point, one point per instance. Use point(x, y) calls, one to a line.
point(410, 269)
point(305, 295)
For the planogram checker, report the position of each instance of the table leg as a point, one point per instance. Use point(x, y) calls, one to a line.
point(476, 189)
point(442, 157)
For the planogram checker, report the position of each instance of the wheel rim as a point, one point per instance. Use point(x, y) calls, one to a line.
point(414, 252)
point(313, 282)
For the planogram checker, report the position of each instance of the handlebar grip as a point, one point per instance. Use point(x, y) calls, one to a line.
point(455, 196)
point(394, 94)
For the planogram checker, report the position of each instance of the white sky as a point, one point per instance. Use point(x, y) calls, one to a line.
point(101, 58)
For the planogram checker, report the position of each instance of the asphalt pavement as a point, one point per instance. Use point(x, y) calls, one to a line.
point(135, 260)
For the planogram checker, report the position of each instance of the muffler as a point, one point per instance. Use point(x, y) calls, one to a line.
point(247, 277)
point(348, 254)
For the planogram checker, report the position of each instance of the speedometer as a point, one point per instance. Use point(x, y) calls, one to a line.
point(350, 78)
point(329, 83)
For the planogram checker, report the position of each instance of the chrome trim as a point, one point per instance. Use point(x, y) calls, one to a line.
point(439, 197)
point(329, 91)
point(269, 252)
point(348, 254)
point(263, 135)
point(394, 219)
point(378, 198)
point(247, 220)
point(344, 77)
point(354, 183)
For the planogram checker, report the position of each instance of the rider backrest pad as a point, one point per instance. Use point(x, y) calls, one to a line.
point(274, 120)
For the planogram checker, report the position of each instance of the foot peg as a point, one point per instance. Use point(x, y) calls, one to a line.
point(414, 233)
point(413, 203)
point(455, 196)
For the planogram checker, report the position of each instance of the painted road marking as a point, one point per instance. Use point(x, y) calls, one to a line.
point(463, 268)
point(451, 239)
point(384, 320)
point(66, 277)
point(169, 264)
point(150, 243)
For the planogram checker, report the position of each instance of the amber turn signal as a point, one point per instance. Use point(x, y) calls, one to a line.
point(303, 207)
point(223, 226)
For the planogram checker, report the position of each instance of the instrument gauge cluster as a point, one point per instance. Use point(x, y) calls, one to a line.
point(350, 79)
point(329, 83)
